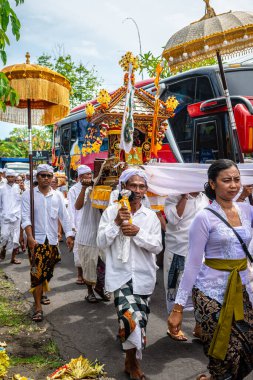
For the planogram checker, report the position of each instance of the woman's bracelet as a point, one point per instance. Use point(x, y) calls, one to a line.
point(177, 311)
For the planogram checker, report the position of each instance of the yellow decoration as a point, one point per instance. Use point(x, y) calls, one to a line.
point(19, 377)
point(89, 110)
point(47, 90)
point(171, 104)
point(82, 368)
point(104, 98)
point(124, 202)
point(127, 59)
point(100, 196)
point(4, 363)
point(134, 157)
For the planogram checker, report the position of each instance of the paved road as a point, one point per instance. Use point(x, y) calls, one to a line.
point(82, 328)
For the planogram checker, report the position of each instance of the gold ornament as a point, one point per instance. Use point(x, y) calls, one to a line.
point(104, 98)
point(127, 59)
point(89, 110)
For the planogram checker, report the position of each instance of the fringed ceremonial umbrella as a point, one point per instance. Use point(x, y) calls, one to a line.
point(44, 99)
point(228, 34)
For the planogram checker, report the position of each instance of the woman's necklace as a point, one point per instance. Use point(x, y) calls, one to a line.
point(232, 216)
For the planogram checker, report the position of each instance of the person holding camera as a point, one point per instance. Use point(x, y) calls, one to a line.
point(89, 254)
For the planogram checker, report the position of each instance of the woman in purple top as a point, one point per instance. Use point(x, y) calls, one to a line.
point(216, 273)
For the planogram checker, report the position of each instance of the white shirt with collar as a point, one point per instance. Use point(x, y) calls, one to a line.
point(47, 210)
point(141, 266)
point(10, 203)
point(75, 215)
point(177, 229)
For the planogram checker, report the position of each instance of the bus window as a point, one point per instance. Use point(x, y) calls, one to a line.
point(183, 90)
point(207, 147)
point(65, 139)
point(74, 131)
point(204, 89)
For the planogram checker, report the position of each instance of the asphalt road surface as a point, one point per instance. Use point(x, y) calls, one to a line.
point(80, 328)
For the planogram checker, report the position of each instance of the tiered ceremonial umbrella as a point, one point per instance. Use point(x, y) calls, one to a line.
point(44, 99)
point(228, 34)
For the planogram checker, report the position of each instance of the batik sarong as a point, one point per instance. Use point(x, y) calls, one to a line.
point(44, 258)
point(132, 309)
point(238, 362)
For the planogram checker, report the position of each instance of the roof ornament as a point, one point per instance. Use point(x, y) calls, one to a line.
point(27, 58)
point(209, 12)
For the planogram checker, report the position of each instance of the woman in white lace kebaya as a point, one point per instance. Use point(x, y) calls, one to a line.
point(220, 286)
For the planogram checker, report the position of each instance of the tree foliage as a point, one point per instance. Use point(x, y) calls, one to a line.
point(148, 63)
point(7, 18)
point(17, 144)
point(84, 81)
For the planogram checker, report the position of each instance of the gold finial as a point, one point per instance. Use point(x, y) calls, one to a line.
point(210, 12)
point(27, 58)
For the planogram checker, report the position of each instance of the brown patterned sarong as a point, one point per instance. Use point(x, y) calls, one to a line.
point(238, 362)
point(45, 258)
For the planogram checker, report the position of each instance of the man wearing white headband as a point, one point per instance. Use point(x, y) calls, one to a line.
point(10, 206)
point(75, 216)
point(132, 278)
point(122, 180)
point(89, 254)
point(49, 207)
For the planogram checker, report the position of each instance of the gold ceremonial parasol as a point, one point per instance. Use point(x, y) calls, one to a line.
point(229, 34)
point(44, 99)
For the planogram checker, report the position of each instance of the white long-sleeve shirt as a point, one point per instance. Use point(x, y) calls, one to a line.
point(177, 228)
point(211, 238)
point(10, 203)
point(90, 218)
point(47, 210)
point(141, 266)
point(75, 215)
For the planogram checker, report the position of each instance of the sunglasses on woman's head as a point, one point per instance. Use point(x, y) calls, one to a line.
point(46, 175)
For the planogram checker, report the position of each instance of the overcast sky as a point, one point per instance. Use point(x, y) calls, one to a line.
point(97, 33)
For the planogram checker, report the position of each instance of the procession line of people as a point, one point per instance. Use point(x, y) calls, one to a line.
point(205, 257)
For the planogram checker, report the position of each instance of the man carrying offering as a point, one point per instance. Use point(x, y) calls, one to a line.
point(131, 273)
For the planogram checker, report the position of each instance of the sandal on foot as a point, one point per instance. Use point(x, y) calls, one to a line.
point(180, 337)
point(15, 261)
point(91, 298)
point(80, 282)
point(103, 294)
point(45, 300)
point(38, 316)
point(203, 377)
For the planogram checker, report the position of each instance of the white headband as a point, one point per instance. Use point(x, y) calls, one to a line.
point(128, 173)
point(83, 169)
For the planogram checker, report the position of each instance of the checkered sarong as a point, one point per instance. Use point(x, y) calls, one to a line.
point(132, 309)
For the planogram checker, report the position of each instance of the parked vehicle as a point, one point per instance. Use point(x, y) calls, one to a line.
point(199, 131)
point(19, 167)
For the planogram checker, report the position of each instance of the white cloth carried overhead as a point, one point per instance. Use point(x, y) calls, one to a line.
point(83, 169)
point(168, 179)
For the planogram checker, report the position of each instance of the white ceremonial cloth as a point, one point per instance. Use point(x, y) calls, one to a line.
point(141, 266)
point(167, 179)
point(10, 203)
point(48, 209)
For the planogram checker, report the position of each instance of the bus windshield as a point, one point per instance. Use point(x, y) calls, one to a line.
point(240, 82)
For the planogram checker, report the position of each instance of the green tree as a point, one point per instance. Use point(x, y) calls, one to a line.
point(148, 63)
point(84, 82)
point(17, 144)
point(7, 18)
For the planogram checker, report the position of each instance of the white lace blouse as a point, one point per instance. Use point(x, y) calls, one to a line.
point(209, 237)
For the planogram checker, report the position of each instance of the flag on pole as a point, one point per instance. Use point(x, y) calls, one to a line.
point(127, 129)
